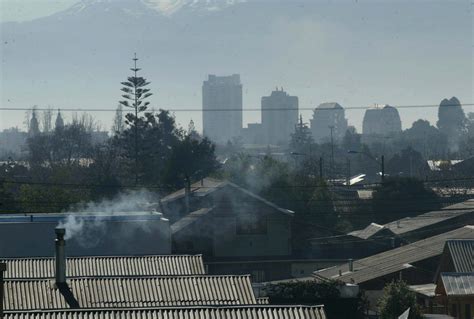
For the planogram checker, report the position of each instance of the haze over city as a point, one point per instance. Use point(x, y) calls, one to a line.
point(191, 159)
point(355, 53)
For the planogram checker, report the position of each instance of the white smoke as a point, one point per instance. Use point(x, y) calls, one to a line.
point(85, 223)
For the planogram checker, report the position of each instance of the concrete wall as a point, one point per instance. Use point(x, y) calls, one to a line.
point(111, 238)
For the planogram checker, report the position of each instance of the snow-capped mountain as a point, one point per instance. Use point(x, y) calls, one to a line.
point(142, 7)
point(170, 7)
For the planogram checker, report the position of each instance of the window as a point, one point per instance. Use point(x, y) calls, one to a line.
point(454, 310)
point(251, 224)
point(467, 311)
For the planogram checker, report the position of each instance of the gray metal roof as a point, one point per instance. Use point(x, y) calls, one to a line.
point(462, 254)
point(189, 219)
point(393, 260)
point(457, 284)
point(209, 185)
point(152, 265)
point(247, 312)
point(409, 224)
point(368, 231)
point(129, 292)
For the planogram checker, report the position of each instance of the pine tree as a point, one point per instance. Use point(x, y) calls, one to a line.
point(135, 95)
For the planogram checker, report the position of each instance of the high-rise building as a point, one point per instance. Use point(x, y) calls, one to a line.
point(222, 107)
point(381, 121)
point(327, 117)
point(279, 117)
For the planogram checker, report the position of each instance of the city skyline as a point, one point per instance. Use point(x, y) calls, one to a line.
point(386, 65)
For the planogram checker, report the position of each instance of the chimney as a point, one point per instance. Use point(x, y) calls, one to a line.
point(60, 256)
point(3, 267)
point(351, 265)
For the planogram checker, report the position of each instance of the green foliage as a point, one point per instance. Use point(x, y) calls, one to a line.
point(400, 197)
point(407, 163)
point(397, 298)
point(302, 139)
point(317, 293)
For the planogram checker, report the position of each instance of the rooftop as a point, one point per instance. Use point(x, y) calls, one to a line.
point(113, 266)
point(227, 312)
point(456, 284)
point(208, 186)
point(89, 216)
point(394, 260)
point(409, 224)
point(130, 292)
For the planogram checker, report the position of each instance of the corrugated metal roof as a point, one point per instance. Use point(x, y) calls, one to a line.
point(409, 224)
point(129, 292)
point(152, 265)
point(457, 284)
point(393, 260)
point(248, 312)
point(462, 254)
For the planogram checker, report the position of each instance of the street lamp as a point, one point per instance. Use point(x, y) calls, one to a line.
point(381, 162)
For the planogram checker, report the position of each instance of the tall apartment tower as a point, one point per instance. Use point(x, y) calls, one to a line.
point(327, 117)
point(279, 117)
point(222, 107)
point(381, 121)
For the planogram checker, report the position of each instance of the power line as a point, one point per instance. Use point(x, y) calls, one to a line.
point(200, 109)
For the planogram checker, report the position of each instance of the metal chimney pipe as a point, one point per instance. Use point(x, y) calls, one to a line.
point(60, 256)
point(351, 265)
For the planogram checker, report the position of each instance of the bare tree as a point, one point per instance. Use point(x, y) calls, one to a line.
point(118, 125)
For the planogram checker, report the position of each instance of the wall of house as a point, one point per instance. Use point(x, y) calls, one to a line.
point(273, 240)
point(128, 237)
point(461, 307)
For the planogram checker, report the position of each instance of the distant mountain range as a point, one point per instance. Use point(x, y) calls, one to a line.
point(318, 50)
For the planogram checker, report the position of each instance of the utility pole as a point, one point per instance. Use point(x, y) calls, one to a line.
point(321, 168)
point(383, 167)
point(135, 59)
point(348, 176)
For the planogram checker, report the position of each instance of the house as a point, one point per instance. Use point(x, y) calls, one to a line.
point(456, 292)
point(415, 263)
point(221, 312)
point(90, 234)
point(376, 238)
point(455, 278)
point(106, 266)
point(127, 292)
point(235, 230)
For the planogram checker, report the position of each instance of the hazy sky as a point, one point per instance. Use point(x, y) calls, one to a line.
point(24, 10)
point(398, 52)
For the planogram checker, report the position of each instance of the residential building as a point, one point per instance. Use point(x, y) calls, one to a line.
point(328, 118)
point(380, 122)
point(415, 263)
point(455, 279)
point(279, 117)
point(222, 107)
point(128, 292)
point(106, 266)
point(376, 238)
point(221, 312)
point(235, 230)
point(90, 234)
